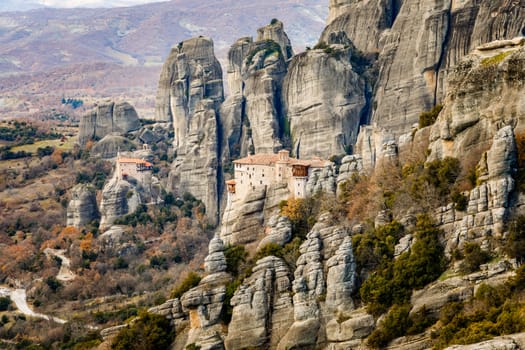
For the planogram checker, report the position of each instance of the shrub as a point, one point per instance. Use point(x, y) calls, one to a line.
point(460, 200)
point(148, 332)
point(192, 280)
point(158, 262)
point(393, 281)
point(394, 325)
point(474, 256)
point(235, 256)
point(53, 283)
point(496, 59)
point(515, 244)
point(429, 117)
point(5, 302)
point(271, 249)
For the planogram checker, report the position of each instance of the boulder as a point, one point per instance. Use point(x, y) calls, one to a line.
point(278, 231)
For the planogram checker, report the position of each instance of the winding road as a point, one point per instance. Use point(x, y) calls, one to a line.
point(18, 296)
point(65, 274)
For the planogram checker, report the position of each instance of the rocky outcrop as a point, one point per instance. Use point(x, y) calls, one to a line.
point(489, 202)
point(471, 115)
point(110, 145)
point(341, 278)
point(117, 242)
point(508, 342)
point(190, 74)
point(308, 287)
point(189, 95)
point(326, 248)
point(418, 41)
point(362, 21)
point(106, 118)
point(195, 168)
point(350, 165)
point(262, 307)
point(119, 198)
point(321, 180)
point(410, 54)
point(278, 231)
point(82, 208)
point(243, 219)
point(205, 303)
point(324, 99)
point(215, 261)
point(375, 145)
point(472, 122)
point(275, 32)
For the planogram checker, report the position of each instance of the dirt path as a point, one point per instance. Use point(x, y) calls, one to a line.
point(18, 296)
point(65, 274)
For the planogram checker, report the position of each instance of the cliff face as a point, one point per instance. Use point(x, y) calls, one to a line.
point(362, 21)
point(472, 115)
point(82, 208)
point(107, 118)
point(189, 95)
point(252, 117)
point(324, 99)
point(190, 74)
point(417, 42)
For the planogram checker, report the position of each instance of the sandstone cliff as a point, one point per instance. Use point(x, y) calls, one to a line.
point(106, 118)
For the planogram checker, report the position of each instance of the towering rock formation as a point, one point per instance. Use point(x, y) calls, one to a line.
point(262, 307)
point(324, 99)
point(252, 117)
point(484, 133)
point(189, 95)
point(204, 304)
point(275, 32)
point(471, 115)
point(362, 21)
point(411, 53)
point(82, 208)
point(106, 118)
point(417, 42)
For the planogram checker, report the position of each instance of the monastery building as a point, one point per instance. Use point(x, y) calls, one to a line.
point(134, 168)
point(266, 169)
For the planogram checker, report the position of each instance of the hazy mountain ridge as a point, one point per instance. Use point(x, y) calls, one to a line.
point(47, 39)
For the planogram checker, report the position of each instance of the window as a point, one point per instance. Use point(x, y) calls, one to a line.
point(261, 182)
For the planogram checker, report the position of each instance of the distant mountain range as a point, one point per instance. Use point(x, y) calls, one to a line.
point(39, 42)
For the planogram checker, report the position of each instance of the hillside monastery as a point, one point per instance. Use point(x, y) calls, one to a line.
point(266, 169)
point(134, 168)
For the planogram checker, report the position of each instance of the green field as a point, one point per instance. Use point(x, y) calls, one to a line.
point(66, 146)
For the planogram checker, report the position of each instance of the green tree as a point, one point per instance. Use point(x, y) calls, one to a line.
point(148, 332)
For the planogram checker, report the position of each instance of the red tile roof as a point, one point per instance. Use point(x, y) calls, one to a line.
point(134, 160)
